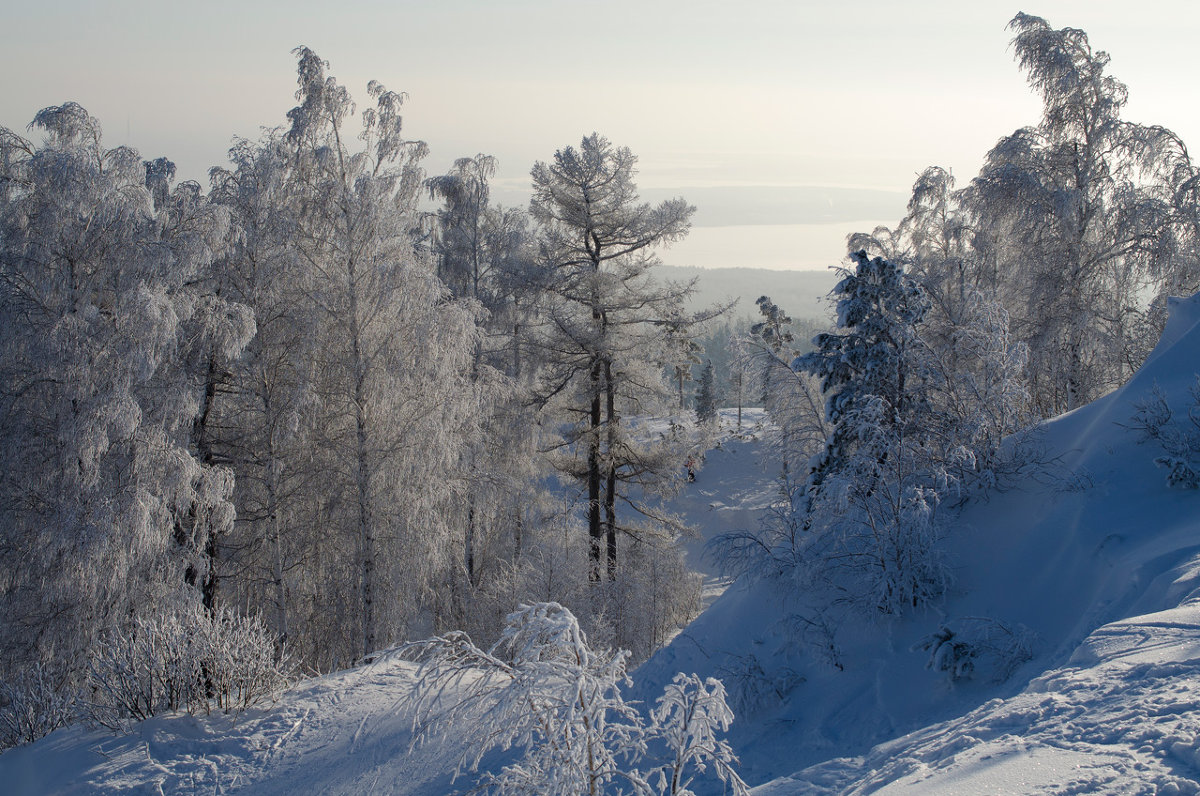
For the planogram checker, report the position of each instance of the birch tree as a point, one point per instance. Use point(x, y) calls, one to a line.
point(392, 353)
point(1070, 201)
point(482, 254)
point(264, 428)
point(105, 506)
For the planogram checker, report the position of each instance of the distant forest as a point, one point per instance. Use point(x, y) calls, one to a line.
point(804, 293)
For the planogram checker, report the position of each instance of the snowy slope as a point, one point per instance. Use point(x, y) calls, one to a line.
point(1090, 555)
point(345, 733)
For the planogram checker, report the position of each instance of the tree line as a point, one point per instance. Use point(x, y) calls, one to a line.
point(297, 396)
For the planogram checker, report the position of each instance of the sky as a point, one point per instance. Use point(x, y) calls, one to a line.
point(788, 124)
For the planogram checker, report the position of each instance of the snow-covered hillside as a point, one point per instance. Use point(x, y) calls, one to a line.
point(1088, 562)
point(1089, 558)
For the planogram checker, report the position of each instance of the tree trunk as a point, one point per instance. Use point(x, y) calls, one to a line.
point(610, 492)
point(204, 453)
point(362, 482)
point(595, 531)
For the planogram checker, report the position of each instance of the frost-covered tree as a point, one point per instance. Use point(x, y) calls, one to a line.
point(707, 399)
point(105, 508)
point(264, 410)
point(392, 355)
point(604, 338)
point(870, 496)
point(484, 255)
point(975, 369)
point(873, 358)
point(1070, 203)
point(765, 357)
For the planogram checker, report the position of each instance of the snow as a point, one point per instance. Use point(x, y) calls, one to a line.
point(1087, 550)
point(345, 733)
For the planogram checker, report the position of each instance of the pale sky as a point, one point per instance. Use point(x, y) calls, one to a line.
point(716, 98)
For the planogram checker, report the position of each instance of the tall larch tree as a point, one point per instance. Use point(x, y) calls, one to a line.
point(605, 329)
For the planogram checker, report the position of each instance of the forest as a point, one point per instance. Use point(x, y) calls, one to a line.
point(265, 428)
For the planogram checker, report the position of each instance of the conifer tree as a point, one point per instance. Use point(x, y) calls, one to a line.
point(604, 339)
point(706, 394)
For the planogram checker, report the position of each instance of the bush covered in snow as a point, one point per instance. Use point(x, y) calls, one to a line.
point(1180, 441)
point(543, 689)
point(977, 648)
point(183, 660)
point(32, 705)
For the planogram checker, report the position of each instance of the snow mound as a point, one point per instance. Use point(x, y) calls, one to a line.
point(1088, 561)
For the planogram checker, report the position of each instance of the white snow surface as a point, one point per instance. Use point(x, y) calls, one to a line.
point(344, 733)
point(1091, 554)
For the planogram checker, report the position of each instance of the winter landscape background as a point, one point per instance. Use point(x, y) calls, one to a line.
point(326, 471)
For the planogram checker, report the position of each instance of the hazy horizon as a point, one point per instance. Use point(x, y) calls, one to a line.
point(740, 109)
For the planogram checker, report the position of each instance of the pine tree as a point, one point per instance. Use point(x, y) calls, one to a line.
point(706, 394)
point(869, 371)
point(871, 494)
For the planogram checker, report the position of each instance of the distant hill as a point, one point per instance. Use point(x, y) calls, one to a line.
point(799, 293)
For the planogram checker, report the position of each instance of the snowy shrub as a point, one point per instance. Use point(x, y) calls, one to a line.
point(142, 671)
point(753, 688)
point(816, 634)
point(543, 689)
point(977, 648)
point(183, 660)
point(33, 705)
point(772, 550)
point(687, 717)
point(239, 660)
point(654, 595)
point(1154, 418)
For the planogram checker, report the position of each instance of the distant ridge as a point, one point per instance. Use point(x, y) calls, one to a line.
point(801, 294)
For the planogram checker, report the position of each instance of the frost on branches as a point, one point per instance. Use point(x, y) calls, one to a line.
point(1155, 420)
point(104, 505)
point(872, 493)
point(542, 689)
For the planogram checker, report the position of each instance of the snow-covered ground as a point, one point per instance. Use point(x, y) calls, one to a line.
point(1090, 560)
point(345, 733)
